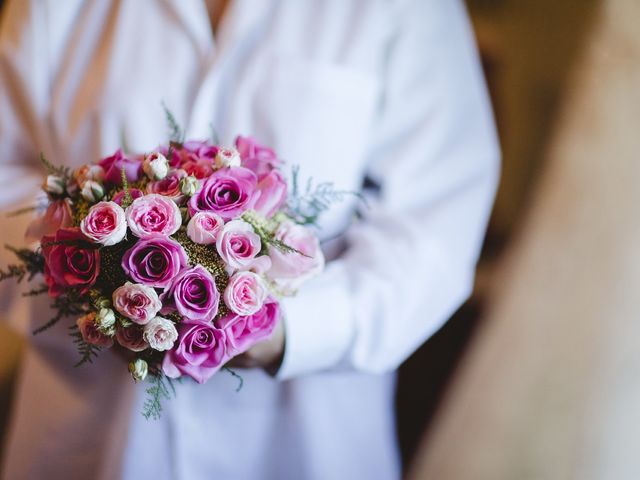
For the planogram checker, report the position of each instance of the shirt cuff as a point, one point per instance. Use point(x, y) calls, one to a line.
point(318, 324)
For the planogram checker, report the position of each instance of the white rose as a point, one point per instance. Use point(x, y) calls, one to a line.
point(54, 184)
point(156, 166)
point(160, 333)
point(227, 157)
point(138, 369)
point(92, 191)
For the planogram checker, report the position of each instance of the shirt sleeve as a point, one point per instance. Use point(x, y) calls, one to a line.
point(411, 260)
point(23, 100)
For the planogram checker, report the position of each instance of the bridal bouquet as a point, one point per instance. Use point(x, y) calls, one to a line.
point(177, 256)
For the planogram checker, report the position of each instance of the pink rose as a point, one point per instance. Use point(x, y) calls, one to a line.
point(203, 228)
point(290, 269)
point(245, 293)
point(58, 215)
point(153, 214)
point(90, 332)
point(169, 186)
point(273, 193)
point(260, 159)
point(229, 192)
point(139, 303)
point(244, 332)
point(114, 165)
point(238, 245)
point(105, 223)
point(199, 353)
point(133, 192)
point(132, 338)
point(70, 261)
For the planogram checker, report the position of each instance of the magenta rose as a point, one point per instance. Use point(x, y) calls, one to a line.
point(290, 269)
point(70, 261)
point(139, 303)
point(153, 215)
point(133, 193)
point(238, 245)
point(169, 186)
point(273, 193)
point(244, 332)
point(199, 353)
point(58, 215)
point(114, 164)
point(229, 192)
point(193, 294)
point(245, 293)
point(105, 223)
point(154, 261)
point(91, 333)
point(132, 338)
point(256, 157)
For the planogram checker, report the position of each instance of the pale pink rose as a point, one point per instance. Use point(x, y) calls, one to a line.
point(139, 303)
point(289, 270)
point(238, 245)
point(152, 215)
point(90, 332)
point(203, 228)
point(105, 223)
point(160, 333)
point(132, 338)
point(245, 293)
point(58, 215)
point(273, 193)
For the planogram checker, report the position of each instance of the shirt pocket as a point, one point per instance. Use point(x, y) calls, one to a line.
point(318, 115)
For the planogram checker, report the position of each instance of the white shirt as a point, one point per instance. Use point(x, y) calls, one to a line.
point(347, 89)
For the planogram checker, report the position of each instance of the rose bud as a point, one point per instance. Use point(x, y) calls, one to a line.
point(92, 191)
point(156, 166)
point(54, 185)
point(138, 369)
point(105, 319)
point(227, 157)
point(189, 185)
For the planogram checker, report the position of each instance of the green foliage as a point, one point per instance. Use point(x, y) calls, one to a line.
point(234, 374)
point(66, 305)
point(161, 388)
point(31, 263)
point(306, 205)
point(86, 350)
point(127, 200)
point(266, 231)
point(64, 172)
point(176, 134)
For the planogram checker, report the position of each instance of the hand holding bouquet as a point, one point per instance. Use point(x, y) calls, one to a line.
point(178, 256)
